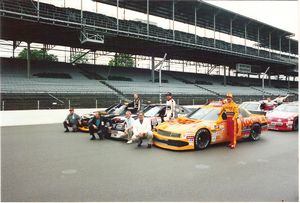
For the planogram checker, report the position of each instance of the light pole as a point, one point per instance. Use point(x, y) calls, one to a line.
point(158, 68)
point(263, 82)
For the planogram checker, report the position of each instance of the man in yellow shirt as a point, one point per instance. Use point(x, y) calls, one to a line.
point(231, 109)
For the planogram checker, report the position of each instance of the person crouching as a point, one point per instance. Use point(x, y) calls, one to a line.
point(142, 130)
point(98, 125)
point(72, 120)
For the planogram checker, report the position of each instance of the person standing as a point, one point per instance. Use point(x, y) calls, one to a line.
point(128, 125)
point(231, 109)
point(170, 106)
point(142, 130)
point(98, 125)
point(136, 102)
point(72, 120)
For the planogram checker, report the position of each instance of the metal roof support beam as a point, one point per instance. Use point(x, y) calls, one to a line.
point(148, 17)
point(173, 18)
point(28, 60)
point(118, 15)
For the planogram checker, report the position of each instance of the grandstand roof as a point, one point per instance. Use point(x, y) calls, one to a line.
point(185, 13)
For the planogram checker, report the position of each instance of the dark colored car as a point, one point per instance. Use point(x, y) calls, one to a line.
point(111, 112)
point(155, 112)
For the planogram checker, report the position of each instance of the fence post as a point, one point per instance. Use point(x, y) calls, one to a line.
point(38, 104)
point(69, 103)
point(96, 104)
point(3, 105)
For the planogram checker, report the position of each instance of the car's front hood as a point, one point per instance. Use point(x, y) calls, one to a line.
point(181, 125)
point(281, 114)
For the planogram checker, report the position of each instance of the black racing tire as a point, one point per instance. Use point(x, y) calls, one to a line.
point(202, 139)
point(295, 124)
point(255, 132)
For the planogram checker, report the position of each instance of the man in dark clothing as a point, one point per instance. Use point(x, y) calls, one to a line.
point(98, 124)
point(72, 120)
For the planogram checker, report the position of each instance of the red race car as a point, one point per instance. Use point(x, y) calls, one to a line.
point(284, 117)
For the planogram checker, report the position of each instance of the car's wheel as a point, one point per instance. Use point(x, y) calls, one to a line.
point(202, 139)
point(295, 124)
point(255, 132)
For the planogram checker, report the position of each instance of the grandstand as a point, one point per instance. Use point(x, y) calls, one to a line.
point(23, 83)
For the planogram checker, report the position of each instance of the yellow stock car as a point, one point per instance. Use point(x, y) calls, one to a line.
point(204, 127)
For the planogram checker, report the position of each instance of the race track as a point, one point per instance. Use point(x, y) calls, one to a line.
point(42, 163)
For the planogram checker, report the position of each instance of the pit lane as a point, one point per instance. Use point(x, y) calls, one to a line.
point(42, 163)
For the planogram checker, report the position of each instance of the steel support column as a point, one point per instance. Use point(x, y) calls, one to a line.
point(196, 67)
point(81, 12)
point(258, 39)
point(270, 41)
point(269, 80)
point(195, 25)
point(280, 45)
point(231, 34)
point(289, 48)
point(38, 8)
point(245, 41)
point(28, 60)
point(152, 68)
point(118, 15)
point(182, 65)
point(224, 75)
point(173, 14)
point(148, 17)
point(214, 30)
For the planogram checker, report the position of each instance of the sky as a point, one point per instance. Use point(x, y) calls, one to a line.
point(281, 14)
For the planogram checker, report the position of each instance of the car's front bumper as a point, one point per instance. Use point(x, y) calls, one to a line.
point(280, 126)
point(172, 143)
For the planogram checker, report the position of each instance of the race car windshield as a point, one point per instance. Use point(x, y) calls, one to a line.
point(287, 108)
point(117, 110)
point(205, 114)
point(153, 111)
point(250, 106)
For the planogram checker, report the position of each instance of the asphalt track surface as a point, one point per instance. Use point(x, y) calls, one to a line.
point(41, 163)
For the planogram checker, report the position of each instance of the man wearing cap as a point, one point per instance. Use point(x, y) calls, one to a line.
point(170, 106)
point(72, 120)
point(231, 109)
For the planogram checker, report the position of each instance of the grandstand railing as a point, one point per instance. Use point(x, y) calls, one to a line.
point(45, 13)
